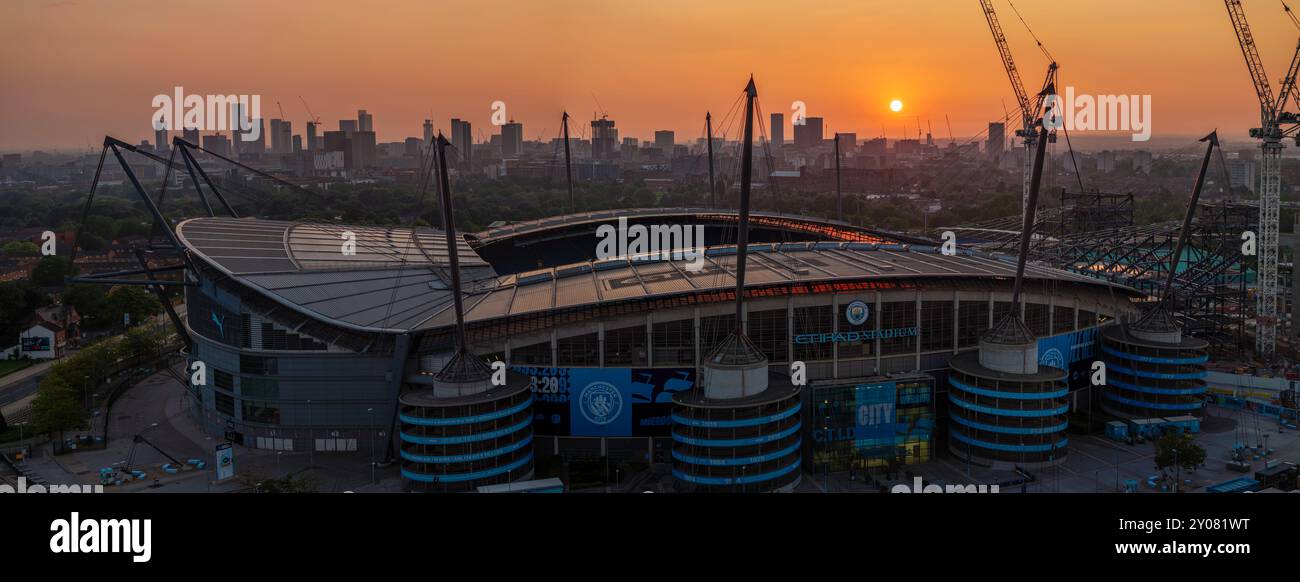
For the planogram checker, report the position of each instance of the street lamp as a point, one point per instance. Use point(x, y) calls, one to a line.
point(371, 412)
point(311, 437)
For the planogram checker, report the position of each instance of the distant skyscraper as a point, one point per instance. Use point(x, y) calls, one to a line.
point(809, 134)
point(348, 126)
point(778, 129)
point(463, 140)
point(312, 143)
point(160, 142)
point(363, 149)
point(665, 140)
point(338, 141)
point(604, 139)
point(512, 139)
point(281, 136)
point(191, 135)
point(411, 147)
point(217, 143)
point(258, 146)
point(997, 140)
point(365, 121)
point(297, 143)
point(428, 132)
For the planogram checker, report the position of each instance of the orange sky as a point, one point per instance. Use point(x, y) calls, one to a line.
point(73, 71)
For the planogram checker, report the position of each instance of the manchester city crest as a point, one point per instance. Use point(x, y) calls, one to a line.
point(1052, 357)
point(600, 402)
point(857, 313)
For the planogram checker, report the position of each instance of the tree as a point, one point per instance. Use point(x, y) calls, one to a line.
point(132, 300)
point(289, 484)
point(141, 342)
point(91, 302)
point(21, 248)
point(56, 407)
point(1176, 448)
point(52, 270)
point(18, 299)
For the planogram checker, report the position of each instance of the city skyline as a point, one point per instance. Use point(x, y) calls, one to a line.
point(531, 58)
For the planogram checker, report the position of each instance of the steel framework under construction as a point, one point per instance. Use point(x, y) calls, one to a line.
point(1093, 233)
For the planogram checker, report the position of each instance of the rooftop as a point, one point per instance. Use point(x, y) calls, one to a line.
point(398, 283)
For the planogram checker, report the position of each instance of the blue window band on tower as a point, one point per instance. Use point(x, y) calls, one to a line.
point(456, 440)
point(1153, 359)
point(436, 459)
point(458, 477)
point(415, 420)
point(736, 442)
point(751, 460)
point(1009, 429)
point(1009, 395)
point(1060, 445)
point(679, 419)
point(1007, 412)
point(1160, 375)
point(745, 480)
point(1154, 405)
point(1153, 390)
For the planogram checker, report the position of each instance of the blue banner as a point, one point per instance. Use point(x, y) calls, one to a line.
point(1072, 351)
point(614, 402)
point(875, 415)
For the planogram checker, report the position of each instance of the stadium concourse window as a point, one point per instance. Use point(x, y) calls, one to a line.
point(579, 350)
point(258, 411)
point(224, 380)
point(860, 349)
point(538, 354)
point(1062, 319)
point(1087, 319)
point(898, 315)
point(715, 329)
point(260, 388)
point(674, 343)
point(1036, 317)
point(936, 325)
point(770, 331)
point(625, 346)
point(257, 365)
point(225, 404)
point(816, 320)
point(972, 322)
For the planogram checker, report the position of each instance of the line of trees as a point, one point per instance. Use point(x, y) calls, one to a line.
point(62, 398)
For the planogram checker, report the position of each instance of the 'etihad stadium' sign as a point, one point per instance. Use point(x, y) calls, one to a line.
point(853, 337)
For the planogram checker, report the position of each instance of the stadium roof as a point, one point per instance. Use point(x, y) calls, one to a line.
point(391, 285)
point(836, 229)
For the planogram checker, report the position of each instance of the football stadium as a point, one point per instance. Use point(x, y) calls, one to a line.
point(309, 347)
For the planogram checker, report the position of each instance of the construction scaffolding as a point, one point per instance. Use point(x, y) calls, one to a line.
point(1093, 233)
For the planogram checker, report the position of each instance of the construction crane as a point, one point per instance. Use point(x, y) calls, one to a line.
point(314, 118)
point(1029, 108)
point(1275, 124)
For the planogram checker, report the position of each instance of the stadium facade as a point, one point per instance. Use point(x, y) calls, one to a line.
point(311, 348)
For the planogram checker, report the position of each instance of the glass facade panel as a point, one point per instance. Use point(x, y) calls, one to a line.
point(897, 315)
point(674, 343)
point(813, 320)
point(580, 350)
point(936, 325)
point(972, 322)
point(626, 346)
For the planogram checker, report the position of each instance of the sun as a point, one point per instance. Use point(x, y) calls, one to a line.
point(896, 106)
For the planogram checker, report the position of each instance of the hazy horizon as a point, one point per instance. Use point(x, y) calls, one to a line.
point(76, 71)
